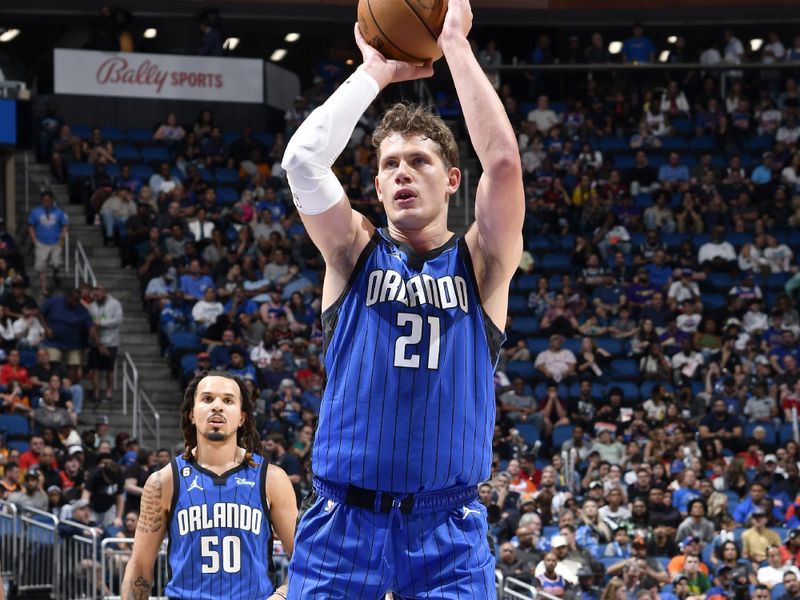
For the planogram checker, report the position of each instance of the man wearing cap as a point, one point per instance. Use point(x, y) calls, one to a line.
point(689, 546)
point(680, 586)
point(31, 495)
point(587, 590)
point(107, 314)
point(47, 226)
point(556, 363)
point(759, 537)
point(790, 551)
point(723, 588)
point(565, 567)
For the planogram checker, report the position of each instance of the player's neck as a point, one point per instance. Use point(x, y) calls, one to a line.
point(422, 240)
point(218, 457)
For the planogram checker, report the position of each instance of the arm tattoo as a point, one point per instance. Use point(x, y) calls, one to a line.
point(138, 590)
point(151, 517)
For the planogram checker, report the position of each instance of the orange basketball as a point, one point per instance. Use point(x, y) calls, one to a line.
point(403, 29)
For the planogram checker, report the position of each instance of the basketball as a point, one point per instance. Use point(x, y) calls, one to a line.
point(403, 29)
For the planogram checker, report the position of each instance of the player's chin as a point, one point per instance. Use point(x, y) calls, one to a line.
point(216, 435)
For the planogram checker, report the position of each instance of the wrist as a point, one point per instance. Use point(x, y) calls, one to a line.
point(379, 73)
point(454, 42)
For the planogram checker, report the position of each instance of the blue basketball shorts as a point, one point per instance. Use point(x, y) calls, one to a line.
point(346, 553)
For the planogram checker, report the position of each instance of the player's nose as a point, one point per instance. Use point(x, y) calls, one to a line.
point(401, 173)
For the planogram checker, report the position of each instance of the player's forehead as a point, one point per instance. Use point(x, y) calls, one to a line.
point(217, 386)
point(397, 144)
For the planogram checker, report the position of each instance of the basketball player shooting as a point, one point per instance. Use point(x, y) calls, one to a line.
point(412, 315)
point(219, 503)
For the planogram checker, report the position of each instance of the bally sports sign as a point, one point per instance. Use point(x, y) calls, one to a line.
point(158, 76)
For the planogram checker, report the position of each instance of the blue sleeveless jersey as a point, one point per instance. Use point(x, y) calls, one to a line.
point(220, 535)
point(410, 354)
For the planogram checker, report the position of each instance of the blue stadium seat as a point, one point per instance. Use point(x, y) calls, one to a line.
point(142, 171)
point(227, 177)
point(630, 390)
point(537, 345)
point(682, 126)
point(188, 365)
point(676, 144)
point(265, 138)
point(525, 325)
point(785, 433)
point(559, 263)
point(567, 242)
point(561, 433)
point(777, 281)
point(572, 344)
point(760, 144)
point(78, 170)
point(18, 445)
point(722, 282)
point(520, 368)
point(113, 170)
point(702, 144)
point(614, 144)
point(608, 561)
point(27, 358)
point(126, 154)
point(673, 240)
point(82, 131)
point(539, 244)
point(611, 345)
point(625, 368)
point(527, 283)
point(713, 301)
point(15, 425)
point(624, 162)
point(113, 134)
point(517, 304)
point(739, 239)
point(528, 432)
point(155, 155)
point(656, 160)
point(139, 135)
point(687, 160)
point(643, 201)
point(231, 136)
point(226, 196)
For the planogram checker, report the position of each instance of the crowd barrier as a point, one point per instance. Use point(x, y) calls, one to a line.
point(43, 556)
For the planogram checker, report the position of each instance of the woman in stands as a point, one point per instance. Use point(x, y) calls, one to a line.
point(169, 131)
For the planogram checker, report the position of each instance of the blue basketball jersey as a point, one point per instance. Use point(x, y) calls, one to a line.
point(220, 535)
point(410, 355)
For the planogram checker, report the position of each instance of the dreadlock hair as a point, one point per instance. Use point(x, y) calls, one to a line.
point(246, 435)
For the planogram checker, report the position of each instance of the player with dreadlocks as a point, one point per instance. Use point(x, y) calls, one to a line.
point(219, 502)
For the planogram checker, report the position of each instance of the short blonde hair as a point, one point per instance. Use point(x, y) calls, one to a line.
point(413, 119)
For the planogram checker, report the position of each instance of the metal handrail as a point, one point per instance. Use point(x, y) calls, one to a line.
point(83, 269)
point(514, 588)
point(155, 429)
point(140, 402)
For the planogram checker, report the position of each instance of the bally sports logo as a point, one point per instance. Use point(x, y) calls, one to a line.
point(161, 76)
point(119, 70)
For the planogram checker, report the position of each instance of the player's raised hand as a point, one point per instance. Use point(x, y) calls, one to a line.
point(457, 22)
point(385, 70)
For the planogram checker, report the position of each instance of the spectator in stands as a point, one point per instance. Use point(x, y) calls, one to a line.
point(772, 573)
point(194, 283)
point(719, 253)
point(106, 311)
point(105, 492)
point(510, 564)
point(206, 310)
point(67, 322)
point(696, 524)
point(556, 363)
point(170, 130)
point(211, 44)
point(47, 226)
point(66, 148)
point(549, 580)
point(9, 482)
point(791, 585)
point(758, 538)
point(31, 495)
point(97, 149)
point(638, 48)
point(114, 213)
point(542, 118)
point(49, 414)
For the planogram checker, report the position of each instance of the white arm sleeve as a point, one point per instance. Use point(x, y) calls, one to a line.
point(320, 139)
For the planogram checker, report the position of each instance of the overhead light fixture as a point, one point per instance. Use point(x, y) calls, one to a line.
point(292, 37)
point(672, 39)
point(664, 56)
point(278, 55)
point(755, 44)
point(615, 47)
point(349, 62)
point(8, 35)
point(230, 43)
point(150, 33)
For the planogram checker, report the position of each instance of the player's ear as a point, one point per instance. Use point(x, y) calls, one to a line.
point(453, 180)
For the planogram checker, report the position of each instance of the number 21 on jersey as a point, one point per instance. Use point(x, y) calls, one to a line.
point(432, 332)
